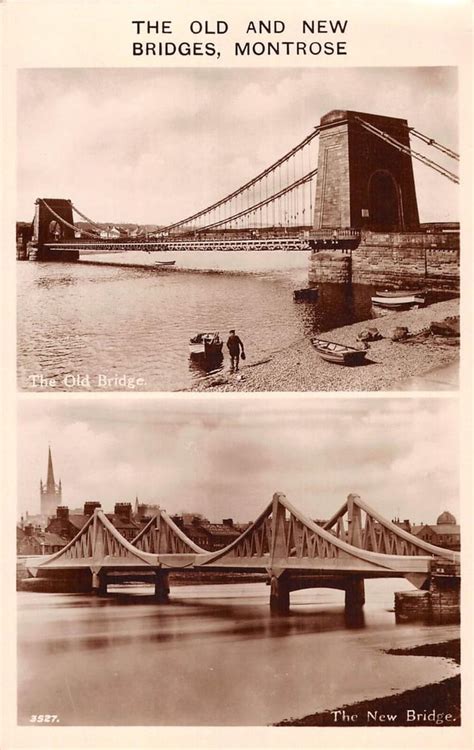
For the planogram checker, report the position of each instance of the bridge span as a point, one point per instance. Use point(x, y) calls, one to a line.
point(360, 180)
point(291, 549)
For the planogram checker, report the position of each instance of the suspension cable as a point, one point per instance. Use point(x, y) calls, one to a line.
point(247, 185)
point(63, 221)
point(264, 202)
point(407, 150)
point(435, 144)
point(86, 218)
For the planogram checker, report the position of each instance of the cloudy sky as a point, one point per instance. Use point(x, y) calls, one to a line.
point(226, 457)
point(153, 146)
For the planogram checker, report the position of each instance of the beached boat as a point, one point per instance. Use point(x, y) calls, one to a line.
point(205, 344)
point(164, 262)
point(305, 295)
point(340, 354)
point(395, 293)
point(398, 300)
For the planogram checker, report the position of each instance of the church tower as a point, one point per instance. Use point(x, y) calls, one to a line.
point(50, 492)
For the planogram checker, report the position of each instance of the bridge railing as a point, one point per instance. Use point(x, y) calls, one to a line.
point(344, 240)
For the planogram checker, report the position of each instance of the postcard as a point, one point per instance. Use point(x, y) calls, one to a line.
point(238, 372)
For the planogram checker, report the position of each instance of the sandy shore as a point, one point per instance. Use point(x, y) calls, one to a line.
point(299, 367)
point(437, 704)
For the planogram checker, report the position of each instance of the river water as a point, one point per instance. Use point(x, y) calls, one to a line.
point(78, 321)
point(214, 655)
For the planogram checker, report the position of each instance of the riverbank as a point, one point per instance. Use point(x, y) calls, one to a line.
point(436, 704)
point(299, 368)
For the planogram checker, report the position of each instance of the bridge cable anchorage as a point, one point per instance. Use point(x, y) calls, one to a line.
point(407, 150)
point(301, 181)
point(247, 185)
point(63, 221)
point(435, 144)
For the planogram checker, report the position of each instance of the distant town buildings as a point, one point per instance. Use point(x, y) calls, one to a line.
point(32, 540)
point(56, 525)
point(113, 233)
point(210, 536)
point(445, 533)
point(63, 526)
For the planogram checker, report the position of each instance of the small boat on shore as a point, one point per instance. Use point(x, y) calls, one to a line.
point(160, 263)
point(400, 293)
point(398, 300)
point(339, 354)
point(205, 344)
point(305, 295)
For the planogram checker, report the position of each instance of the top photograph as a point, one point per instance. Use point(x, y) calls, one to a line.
point(239, 229)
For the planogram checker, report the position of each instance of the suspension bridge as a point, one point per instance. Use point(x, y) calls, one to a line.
point(292, 550)
point(316, 196)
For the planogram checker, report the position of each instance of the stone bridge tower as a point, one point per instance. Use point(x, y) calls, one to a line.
point(363, 182)
point(47, 228)
point(53, 226)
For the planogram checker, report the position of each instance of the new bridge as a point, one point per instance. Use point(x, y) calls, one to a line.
point(294, 551)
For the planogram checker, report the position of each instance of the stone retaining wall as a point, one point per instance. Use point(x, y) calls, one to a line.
point(394, 259)
point(441, 604)
point(412, 605)
point(329, 267)
point(445, 599)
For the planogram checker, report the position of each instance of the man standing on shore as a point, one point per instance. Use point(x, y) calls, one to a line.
point(235, 347)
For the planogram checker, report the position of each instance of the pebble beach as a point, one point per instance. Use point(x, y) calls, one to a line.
point(299, 367)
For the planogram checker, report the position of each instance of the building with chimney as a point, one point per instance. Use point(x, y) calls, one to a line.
point(50, 492)
point(67, 524)
point(445, 533)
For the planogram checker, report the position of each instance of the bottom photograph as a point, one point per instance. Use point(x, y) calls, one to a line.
point(286, 560)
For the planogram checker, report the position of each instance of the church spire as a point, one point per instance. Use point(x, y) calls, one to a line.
point(50, 492)
point(50, 484)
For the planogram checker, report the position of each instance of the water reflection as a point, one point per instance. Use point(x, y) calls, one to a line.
point(102, 320)
point(209, 364)
point(49, 283)
point(127, 660)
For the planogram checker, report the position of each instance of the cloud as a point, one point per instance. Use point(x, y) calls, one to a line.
point(228, 459)
point(147, 145)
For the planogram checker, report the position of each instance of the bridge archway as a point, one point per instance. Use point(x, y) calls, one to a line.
point(385, 209)
point(55, 231)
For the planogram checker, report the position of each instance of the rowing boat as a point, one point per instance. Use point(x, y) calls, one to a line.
point(338, 353)
point(400, 293)
point(207, 344)
point(398, 300)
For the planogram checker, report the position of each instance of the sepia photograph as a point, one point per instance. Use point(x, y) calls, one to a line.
point(235, 399)
point(264, 561)
point(238, 229)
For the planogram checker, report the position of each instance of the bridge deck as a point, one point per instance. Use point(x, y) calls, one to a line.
point(185, 245)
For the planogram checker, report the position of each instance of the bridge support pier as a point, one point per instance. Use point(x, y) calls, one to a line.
point(99, 584)
point(355, 594)
point(445, 594)
point(279, 595)
point(162, 587)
